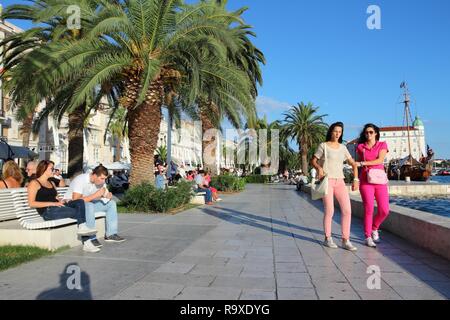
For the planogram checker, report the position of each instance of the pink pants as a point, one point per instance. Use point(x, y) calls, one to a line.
point(337, 188)
point(369, 192)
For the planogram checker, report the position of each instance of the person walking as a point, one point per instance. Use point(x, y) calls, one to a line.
point(334, 153)
point(374, 185)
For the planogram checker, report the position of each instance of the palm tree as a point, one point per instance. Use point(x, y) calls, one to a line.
point(118, 129)
point(304, 125)
point(213, 104)
point(27, 56)
point(162, 153)
point(137, 47)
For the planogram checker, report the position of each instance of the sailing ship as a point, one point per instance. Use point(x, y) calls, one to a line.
point(409, 168)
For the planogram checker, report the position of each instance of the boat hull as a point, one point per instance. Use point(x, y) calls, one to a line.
point(415, 173)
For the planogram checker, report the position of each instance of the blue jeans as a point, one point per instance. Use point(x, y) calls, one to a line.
point(74, 210)
point(111, 216)
point(208, 196)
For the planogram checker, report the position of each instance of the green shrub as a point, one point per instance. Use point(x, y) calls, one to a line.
point(257, 179)
point(146, 198)
point(348, 176)
point(228, 183)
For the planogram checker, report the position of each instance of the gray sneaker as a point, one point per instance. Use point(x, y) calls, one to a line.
point(88, 246)
point(115, 238)
point(330, 243)
point(370, 243)
point(347, 245)
point(376, 236)
point(96, 243)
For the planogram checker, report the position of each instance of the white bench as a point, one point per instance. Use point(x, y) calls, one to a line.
point(7, 211)
point(14, 205)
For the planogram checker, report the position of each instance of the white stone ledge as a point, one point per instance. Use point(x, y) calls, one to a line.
point(11, 233)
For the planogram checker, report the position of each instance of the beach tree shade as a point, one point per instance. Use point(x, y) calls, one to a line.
point(306, 127)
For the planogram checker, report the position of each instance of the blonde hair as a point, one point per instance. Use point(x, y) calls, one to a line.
point(11, 169)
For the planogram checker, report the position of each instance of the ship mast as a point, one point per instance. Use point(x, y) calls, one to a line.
point(407, 101)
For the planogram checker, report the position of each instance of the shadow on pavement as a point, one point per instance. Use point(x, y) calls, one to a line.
point(74, 284)
point(238, 217)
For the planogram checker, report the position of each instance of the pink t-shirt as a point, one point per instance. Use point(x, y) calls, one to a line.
point(370, 154)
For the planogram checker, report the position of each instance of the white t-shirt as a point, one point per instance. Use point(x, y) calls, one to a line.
point(82, 185)
point(335, 160)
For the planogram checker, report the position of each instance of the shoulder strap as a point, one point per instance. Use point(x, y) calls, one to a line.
point(37, 182)
point(325, 163)
point(4, 182)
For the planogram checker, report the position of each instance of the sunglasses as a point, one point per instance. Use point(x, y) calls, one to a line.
point(370, 132)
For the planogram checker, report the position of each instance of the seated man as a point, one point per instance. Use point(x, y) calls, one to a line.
point(57, 179)
point(30, 172)
point(200, 185)
point(91, 188)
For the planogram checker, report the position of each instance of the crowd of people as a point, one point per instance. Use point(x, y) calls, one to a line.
point(200, 178)
point(86, 195)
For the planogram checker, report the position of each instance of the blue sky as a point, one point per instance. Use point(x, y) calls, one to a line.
point(322, 52)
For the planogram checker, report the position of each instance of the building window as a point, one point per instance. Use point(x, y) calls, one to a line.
point(96, 154)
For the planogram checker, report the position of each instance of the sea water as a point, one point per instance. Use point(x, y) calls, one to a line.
point(436, 205)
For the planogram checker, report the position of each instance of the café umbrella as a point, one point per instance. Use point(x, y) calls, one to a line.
point(15, 152)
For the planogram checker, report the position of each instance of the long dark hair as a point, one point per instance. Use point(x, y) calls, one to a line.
point(362, 136)
point(42, 167)
point(330, 131)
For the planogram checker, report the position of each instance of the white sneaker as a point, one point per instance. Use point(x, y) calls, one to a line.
point(376, 236)
point(330, 243)
point(370, 243)
point(89, 247)
point(83, 230)
point(347, 245)
point(218, 200)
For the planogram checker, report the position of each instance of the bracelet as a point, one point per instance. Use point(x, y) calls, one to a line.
point(356, 180)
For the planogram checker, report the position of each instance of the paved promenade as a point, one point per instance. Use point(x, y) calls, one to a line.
point(260, 244)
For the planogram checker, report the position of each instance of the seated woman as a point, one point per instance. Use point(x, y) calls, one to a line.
point(11, 176)
point(207, 181)
point(42, 195)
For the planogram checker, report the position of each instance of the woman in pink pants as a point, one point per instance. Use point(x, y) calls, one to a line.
point(371, 153)
point(336, 154)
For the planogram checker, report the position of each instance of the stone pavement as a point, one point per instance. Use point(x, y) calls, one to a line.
point(262, 244)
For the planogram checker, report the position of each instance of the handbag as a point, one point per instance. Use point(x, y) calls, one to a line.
point(375, 176)
point(320, 190)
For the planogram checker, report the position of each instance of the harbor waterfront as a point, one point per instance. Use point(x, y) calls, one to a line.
point(436, 204)
point(439, 206)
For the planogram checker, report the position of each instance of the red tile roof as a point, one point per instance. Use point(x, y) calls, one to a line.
point(396, 129)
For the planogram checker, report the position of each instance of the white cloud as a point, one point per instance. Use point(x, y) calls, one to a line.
point(269, 105)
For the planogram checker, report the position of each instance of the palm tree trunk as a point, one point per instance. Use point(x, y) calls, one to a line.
point(209, 146)
point(143, 132)
point(76, 141)
point(118, 153)
point(305, 164)
point(26, 130)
